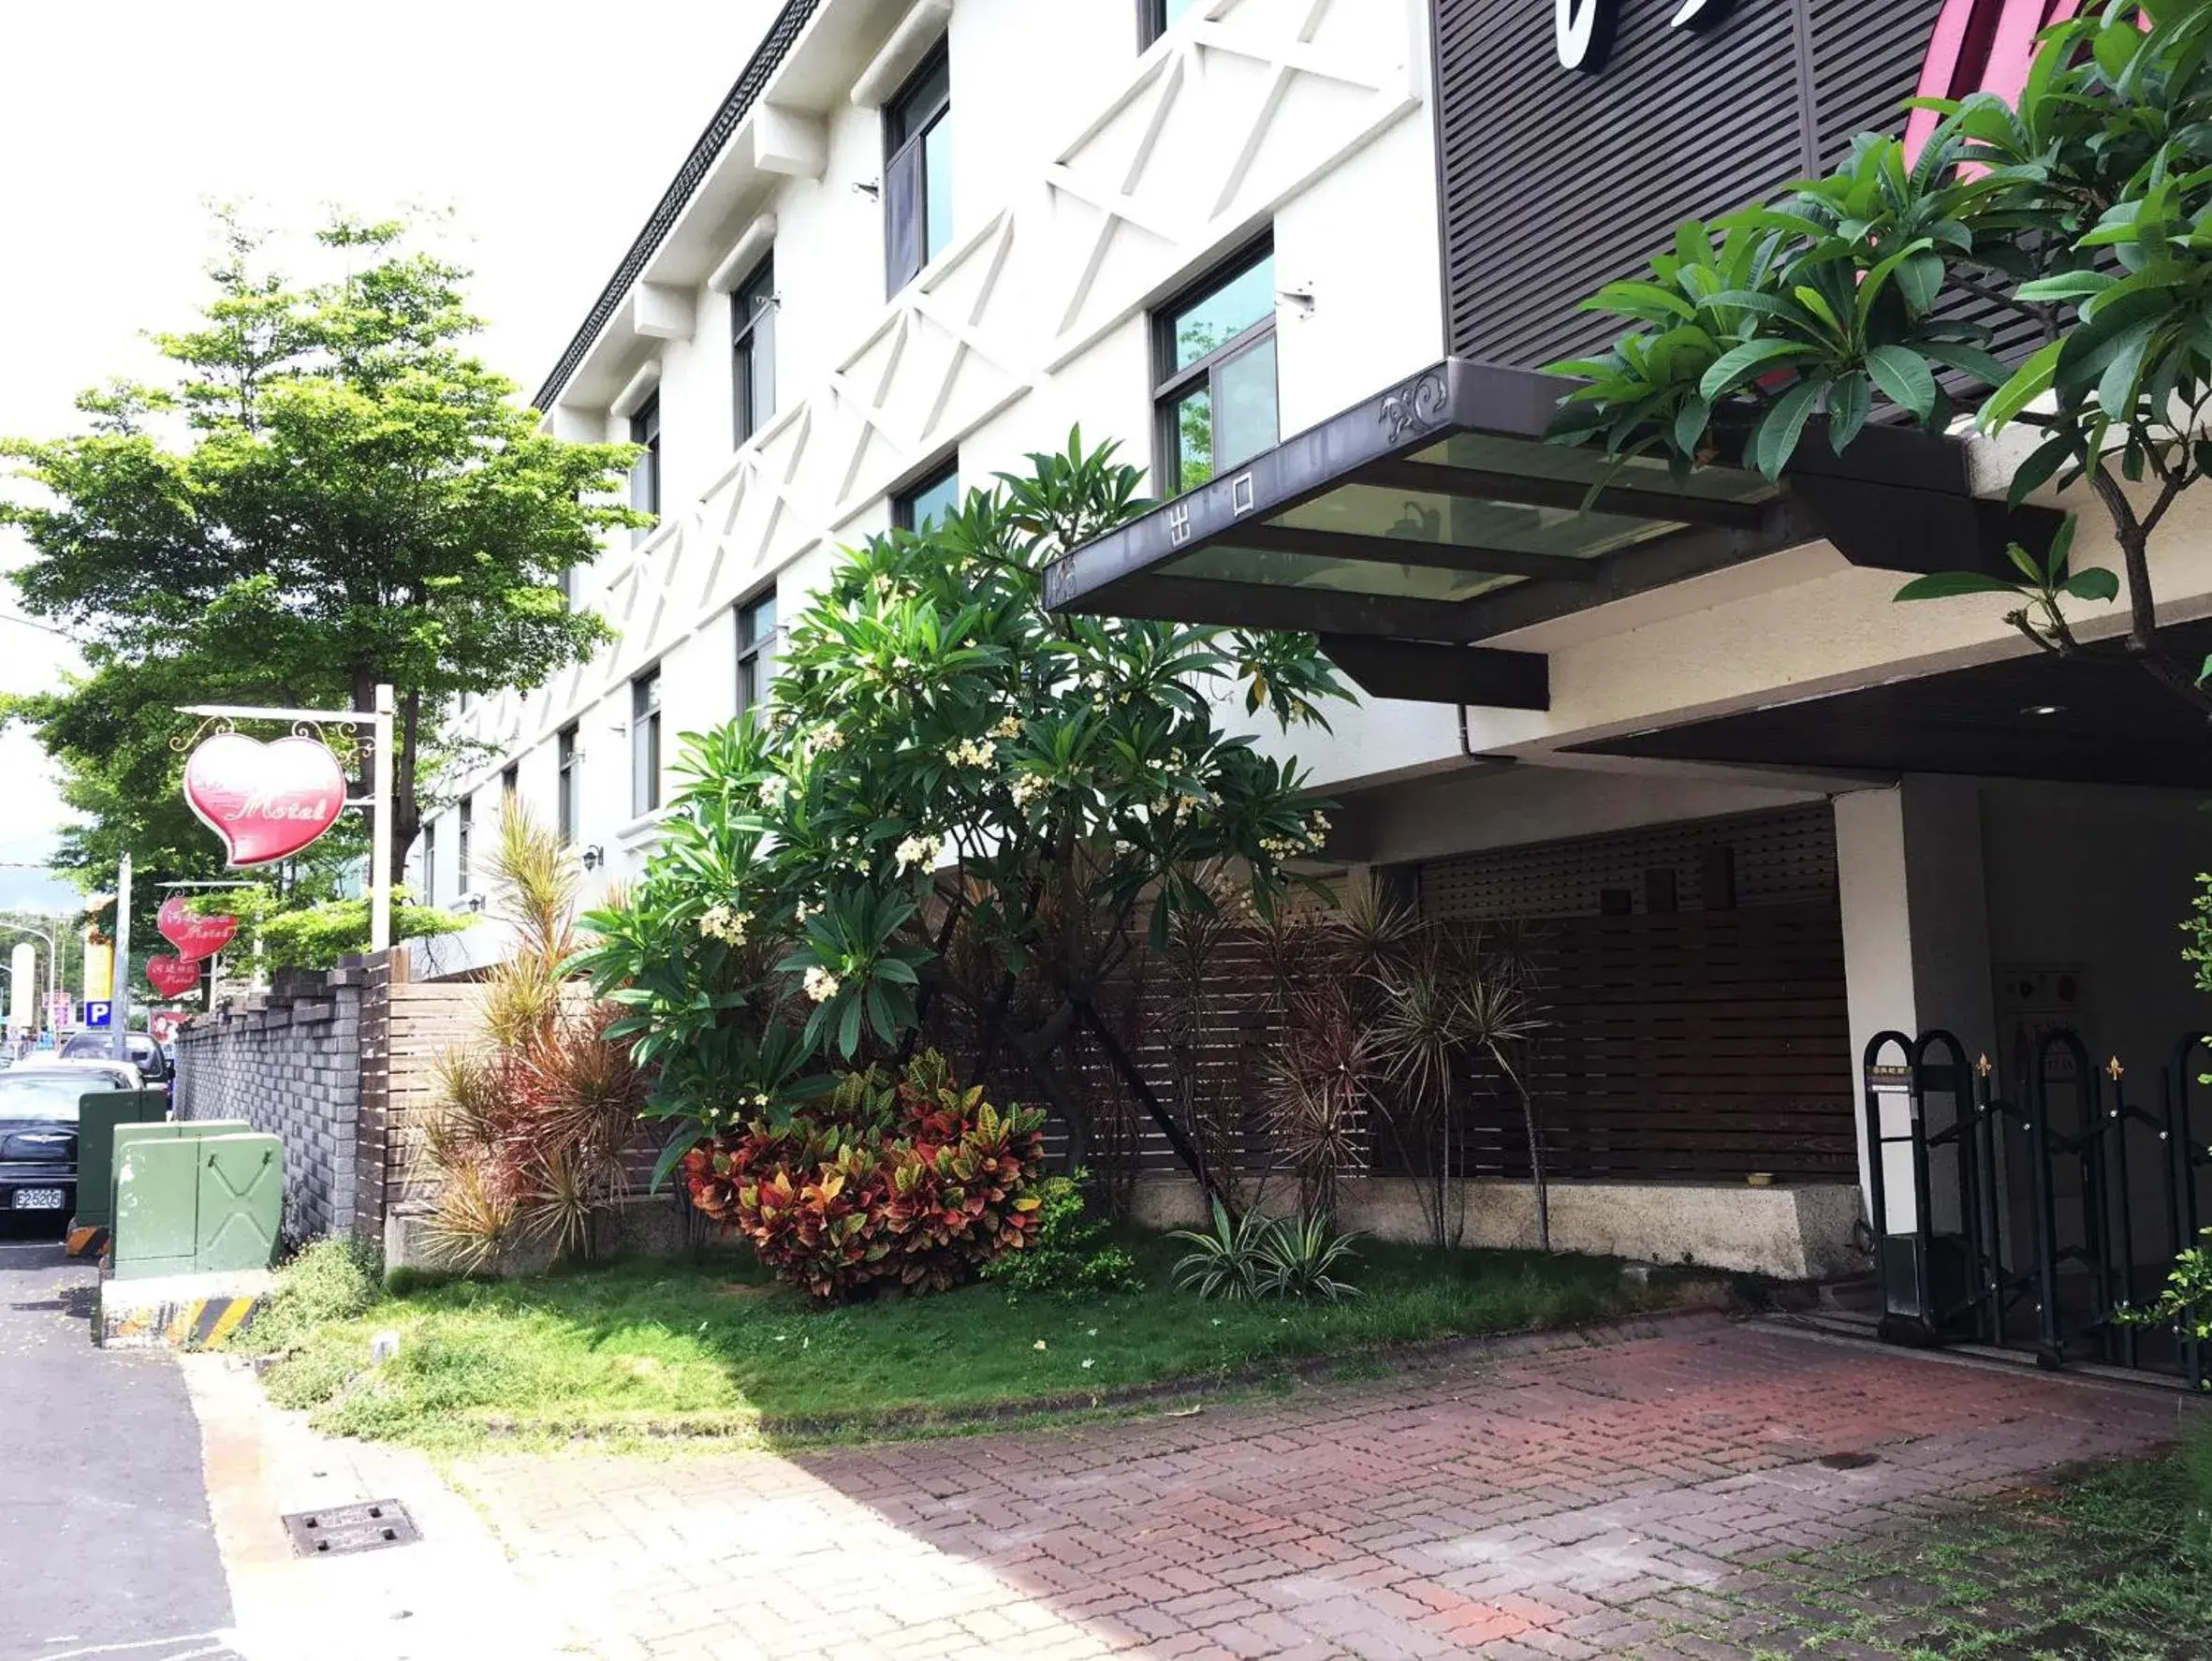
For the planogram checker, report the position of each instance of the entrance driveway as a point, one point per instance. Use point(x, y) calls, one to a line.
point(104, 1535)
point(1555, 1501)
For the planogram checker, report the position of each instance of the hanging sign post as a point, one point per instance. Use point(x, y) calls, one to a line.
point(268, 802)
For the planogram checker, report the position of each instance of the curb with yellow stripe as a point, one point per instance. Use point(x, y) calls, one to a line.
point(86, 1241)
point(201, 1324)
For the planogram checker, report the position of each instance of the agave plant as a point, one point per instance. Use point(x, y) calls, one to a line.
point(1229, 1260)
point(1297, 1256)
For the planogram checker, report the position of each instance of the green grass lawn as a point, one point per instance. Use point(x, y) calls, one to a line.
point(716, 1348)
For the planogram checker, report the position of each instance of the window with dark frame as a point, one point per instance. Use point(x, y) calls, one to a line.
point(752, 337)
point(927, 499)
point(566, 799)
point(510, 786)
point(756, 640)
point(918, 169)
point(645, 475)
point(430, 862)
point(1154, 17)
point(645, 742)
point(1214, 364)
point(462, 840)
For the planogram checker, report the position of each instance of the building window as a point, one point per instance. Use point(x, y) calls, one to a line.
point(1215, 363)
point(566, 801)
point(430, 864)
point(1154, 17)
point(567, 587)
point(461, 841)
point(918, 169)
point(645, 474)
point(645, 742)
point(510, 786)
point(753, 321)
point(927, 500)
point(756, 640)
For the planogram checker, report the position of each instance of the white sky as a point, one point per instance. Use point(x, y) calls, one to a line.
point(549, 130)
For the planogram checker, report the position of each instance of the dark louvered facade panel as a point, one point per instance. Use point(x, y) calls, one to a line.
point(1556, 181)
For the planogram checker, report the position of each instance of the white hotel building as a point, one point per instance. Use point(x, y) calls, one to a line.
point(1768, 813)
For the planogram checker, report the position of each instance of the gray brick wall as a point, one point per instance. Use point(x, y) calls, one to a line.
point(290, 1061)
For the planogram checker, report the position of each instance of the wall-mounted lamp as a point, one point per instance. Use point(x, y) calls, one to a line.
point(474, 903)
point(869, 188)
point(1301, 297)
point(594, 856)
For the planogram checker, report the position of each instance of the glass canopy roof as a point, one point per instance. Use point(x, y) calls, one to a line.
point(1436, 513)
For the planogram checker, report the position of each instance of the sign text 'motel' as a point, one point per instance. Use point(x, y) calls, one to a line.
point(1585, 27)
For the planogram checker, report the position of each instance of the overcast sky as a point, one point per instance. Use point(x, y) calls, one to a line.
point(549, 130)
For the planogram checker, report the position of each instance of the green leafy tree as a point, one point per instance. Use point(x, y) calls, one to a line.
point(2081, 210)
point(958, 820)
point(329, 493)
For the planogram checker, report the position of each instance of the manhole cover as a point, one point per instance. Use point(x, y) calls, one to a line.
point(1846, 1461)
point(350, 1528)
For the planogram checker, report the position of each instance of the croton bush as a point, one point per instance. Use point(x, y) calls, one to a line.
point(910, 1182)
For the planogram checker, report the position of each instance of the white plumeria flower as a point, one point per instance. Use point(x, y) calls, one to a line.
point(821, 985)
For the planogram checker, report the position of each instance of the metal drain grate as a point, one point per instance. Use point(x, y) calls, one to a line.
point(364, 1527)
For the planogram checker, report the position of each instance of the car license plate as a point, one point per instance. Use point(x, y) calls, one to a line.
point(39, 1200)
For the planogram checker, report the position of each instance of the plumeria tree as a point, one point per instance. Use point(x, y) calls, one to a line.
point(955, 821)
point(2076, 219)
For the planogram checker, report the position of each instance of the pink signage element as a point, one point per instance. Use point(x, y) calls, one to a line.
point(266, 802)
point(193, 936)
point(172, 976)
point(1980, 46)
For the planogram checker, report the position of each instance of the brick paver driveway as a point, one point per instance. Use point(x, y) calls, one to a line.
point(1559, 1502)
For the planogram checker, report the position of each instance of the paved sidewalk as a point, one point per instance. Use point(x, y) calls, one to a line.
point(1561, 1503)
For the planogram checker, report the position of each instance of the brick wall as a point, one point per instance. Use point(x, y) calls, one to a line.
point(288, 1061)
point(340, 1064)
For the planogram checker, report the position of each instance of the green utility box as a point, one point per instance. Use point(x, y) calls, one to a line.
point(98, 1115)
point(195, 1198)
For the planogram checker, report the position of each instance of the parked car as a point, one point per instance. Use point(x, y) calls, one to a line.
point(38, 1130)
point(149, 1058)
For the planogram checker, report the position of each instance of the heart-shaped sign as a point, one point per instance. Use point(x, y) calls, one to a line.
point(172, 976)
point(193, 936)
point(266, 802)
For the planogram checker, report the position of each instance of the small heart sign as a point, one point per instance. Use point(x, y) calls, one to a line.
point(172, 976)
point(193, 936)
point(266, 802)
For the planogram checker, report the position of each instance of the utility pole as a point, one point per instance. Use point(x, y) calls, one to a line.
point(119, 994)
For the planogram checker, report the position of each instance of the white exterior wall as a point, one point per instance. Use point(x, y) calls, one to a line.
point(1091, 181)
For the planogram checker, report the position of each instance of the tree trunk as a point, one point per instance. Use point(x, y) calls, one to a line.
point(1188, 1152)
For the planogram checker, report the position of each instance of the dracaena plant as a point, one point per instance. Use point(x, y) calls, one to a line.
point(956, 820)
point(2080, 209)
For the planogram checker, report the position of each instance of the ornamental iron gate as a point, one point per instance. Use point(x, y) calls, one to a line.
point(2032, 1217)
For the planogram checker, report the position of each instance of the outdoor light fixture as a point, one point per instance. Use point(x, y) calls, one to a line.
point(2045, 709)
point(1437, 515)
point(594, 856)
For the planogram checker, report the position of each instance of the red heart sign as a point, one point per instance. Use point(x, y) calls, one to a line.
point(172, 976)
point(266, 802)
point(193, 936)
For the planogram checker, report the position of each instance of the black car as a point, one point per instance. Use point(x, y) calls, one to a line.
point(149, 1058)
point(39, 1133)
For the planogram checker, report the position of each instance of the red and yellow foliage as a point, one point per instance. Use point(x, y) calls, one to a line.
point(917, 1183)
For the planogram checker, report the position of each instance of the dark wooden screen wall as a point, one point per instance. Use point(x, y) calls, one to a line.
point(1693, 984)
point(1556, 181)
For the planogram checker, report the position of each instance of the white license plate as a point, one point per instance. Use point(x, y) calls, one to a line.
point(39, 1200)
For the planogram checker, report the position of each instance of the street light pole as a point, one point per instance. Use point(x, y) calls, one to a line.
point(119, 994)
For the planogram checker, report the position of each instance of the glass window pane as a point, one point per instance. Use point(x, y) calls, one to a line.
point(1244, 418)
point(903, 218)
point(1191, 458)
point(757, 622)
point(1305, 570)
point(937, 186)
point(933, 500)
point(1172, 10)
point(921, 100)
point(1215, 319)
point(760, 379)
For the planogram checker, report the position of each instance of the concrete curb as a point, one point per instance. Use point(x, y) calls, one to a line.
point(178, 1311)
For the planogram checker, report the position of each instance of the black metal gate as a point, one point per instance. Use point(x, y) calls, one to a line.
point(2031, 1216)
